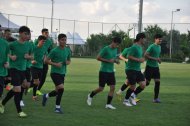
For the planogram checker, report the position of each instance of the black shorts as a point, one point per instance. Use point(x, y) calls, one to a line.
point(152, 72)
point(134, 76)
point(17, 77)
point(105, 77)
point(126, 73)
point(36, 73)
point(1, 81)
point(28, 74)
point(57, 78)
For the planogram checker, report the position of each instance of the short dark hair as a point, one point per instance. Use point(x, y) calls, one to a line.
point(116, 40)
point(24, 29)
point(11, 39)
point(60, 36)
point(140, 36)
point(44, 30)
point(41, 37)
point(7, 30)
point(157, 36)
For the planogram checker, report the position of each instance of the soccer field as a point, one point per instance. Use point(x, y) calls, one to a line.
point(82, 77)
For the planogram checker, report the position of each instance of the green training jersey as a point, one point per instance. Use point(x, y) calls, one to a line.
point(31, 46)
point(154, 50)
point(39, 53)
point(137, 52)
point(3, 56)
point(19, 49)
point(107, 53)
point(58, 55)
point(48, 44)
point(125, 54)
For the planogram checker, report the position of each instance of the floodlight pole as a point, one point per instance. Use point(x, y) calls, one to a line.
point(52, 8)
point(140, 16)
point(171, 32)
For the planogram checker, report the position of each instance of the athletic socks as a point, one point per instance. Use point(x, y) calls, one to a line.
point(138, 90)
point(156, 89)
point(123, 87)
point(34, 90)
point(17, 101)
point(92, 94)
point(109, 99)
point(21, 93)
point(147, 83)
point(59, 96)
point(128, 94)
point(9, 95)
point(1, 89)
point(52, 94)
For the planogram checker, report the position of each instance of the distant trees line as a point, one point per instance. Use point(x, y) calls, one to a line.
point(180, 44)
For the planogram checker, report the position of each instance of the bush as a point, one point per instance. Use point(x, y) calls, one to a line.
point(171, 60)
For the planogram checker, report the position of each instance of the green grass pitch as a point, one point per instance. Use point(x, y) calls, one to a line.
point(82, 77)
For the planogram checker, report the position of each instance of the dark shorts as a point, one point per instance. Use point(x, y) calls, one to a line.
point(45, 68)
point(1, 81)
point(57, 78)
point(36, 73)
point(28, 74)
point(106, 78)
point(126, 73)
point(134, 76)
point(152, 72)
point(17, 77)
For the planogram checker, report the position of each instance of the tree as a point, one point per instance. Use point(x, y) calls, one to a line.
point(176, 41)
point(185, 44)
point(126, 41)
point(150, 31)
point(97, 41)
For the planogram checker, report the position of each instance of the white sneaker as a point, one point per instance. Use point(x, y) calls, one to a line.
point(132, 101)
point(133, 95)
point(22, 103)
point(119, 95)
point(89, 100)
point(119, 92)
point(127, 103)
point(109, 106)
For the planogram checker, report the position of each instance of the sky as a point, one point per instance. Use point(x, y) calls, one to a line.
point(125, 11)
point(109, 11)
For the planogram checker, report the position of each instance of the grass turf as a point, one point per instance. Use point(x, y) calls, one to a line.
point(82, 78)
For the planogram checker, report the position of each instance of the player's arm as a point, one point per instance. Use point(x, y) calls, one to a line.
point(68, 61)
point(28, 56)
point(141, 60)
point(123, 58)
point(131, 56)
point(147, 55)
point(10, 55)
point(48, 61)
point(99, 58)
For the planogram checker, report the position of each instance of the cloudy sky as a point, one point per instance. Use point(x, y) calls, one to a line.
point(108, 11)
point(155, 11)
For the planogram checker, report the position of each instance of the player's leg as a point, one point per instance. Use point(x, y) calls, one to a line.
point(157, 85)
point(111, 82)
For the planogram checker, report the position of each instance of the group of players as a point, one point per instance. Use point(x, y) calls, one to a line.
point(133, 57)
point(27, 64)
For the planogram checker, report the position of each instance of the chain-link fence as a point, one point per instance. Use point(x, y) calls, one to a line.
point(83, 28)
point(78, 31)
